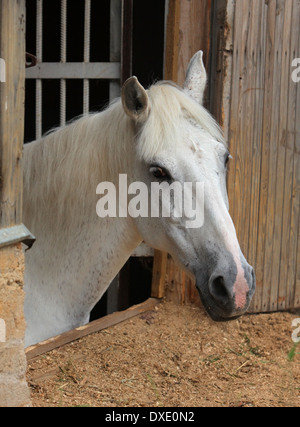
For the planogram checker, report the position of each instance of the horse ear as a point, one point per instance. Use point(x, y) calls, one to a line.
point(196, 78)
point(134, 98)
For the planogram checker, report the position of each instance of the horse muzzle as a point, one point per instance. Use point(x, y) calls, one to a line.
point(226, 295)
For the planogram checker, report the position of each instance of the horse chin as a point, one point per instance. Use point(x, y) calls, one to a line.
point(215, 312)
point(217, 318)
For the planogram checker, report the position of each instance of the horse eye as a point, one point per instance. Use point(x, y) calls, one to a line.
point(227, 158)
point(160, 173)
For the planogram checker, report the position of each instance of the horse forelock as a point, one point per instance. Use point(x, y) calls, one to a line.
point(170, 109)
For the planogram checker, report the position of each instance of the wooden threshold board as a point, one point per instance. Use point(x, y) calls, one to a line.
point(92, 327)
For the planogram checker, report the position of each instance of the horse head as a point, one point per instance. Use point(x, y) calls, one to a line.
point(178, 142)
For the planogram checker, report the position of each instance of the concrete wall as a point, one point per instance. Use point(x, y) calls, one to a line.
point(14, 391)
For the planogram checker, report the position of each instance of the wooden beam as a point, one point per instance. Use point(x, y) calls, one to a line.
point(92, 327)
point(170, 73)
point(194, 30)
point(159, 274)
point(12, 51)
point(172, 40)
point(188, 27)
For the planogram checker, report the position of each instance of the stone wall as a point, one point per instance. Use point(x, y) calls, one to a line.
point(14, 391)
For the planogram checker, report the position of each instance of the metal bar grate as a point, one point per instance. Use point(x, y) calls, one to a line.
point(75, 70)
point(63, 59)
point(87, 33)
point(115, 44)
point(85, 70)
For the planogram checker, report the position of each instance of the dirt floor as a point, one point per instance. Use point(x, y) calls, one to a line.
point(174, 356)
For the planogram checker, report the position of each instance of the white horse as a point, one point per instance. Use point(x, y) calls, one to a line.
point(156, 135)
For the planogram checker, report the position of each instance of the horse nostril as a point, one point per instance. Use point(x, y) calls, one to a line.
point(219, 290)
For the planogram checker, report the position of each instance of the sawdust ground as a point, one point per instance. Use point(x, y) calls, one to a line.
point(174, 356)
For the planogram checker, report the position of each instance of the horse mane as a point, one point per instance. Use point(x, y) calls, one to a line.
point(64, 167)
point(68, 163)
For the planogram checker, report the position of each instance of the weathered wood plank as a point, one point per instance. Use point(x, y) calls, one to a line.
point(241, 160)
point(234, 107)
point(159, 274)
point(246, 103)
point(12, 50)
point(262, 292)
point(294, 254)
point(172, 40)
point(92, 327)
point(194, 34)
point(270, 287)
point(246, 111)
point(282, 207)
point(256, 140)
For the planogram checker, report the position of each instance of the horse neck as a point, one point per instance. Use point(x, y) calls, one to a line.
point(103, 248)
